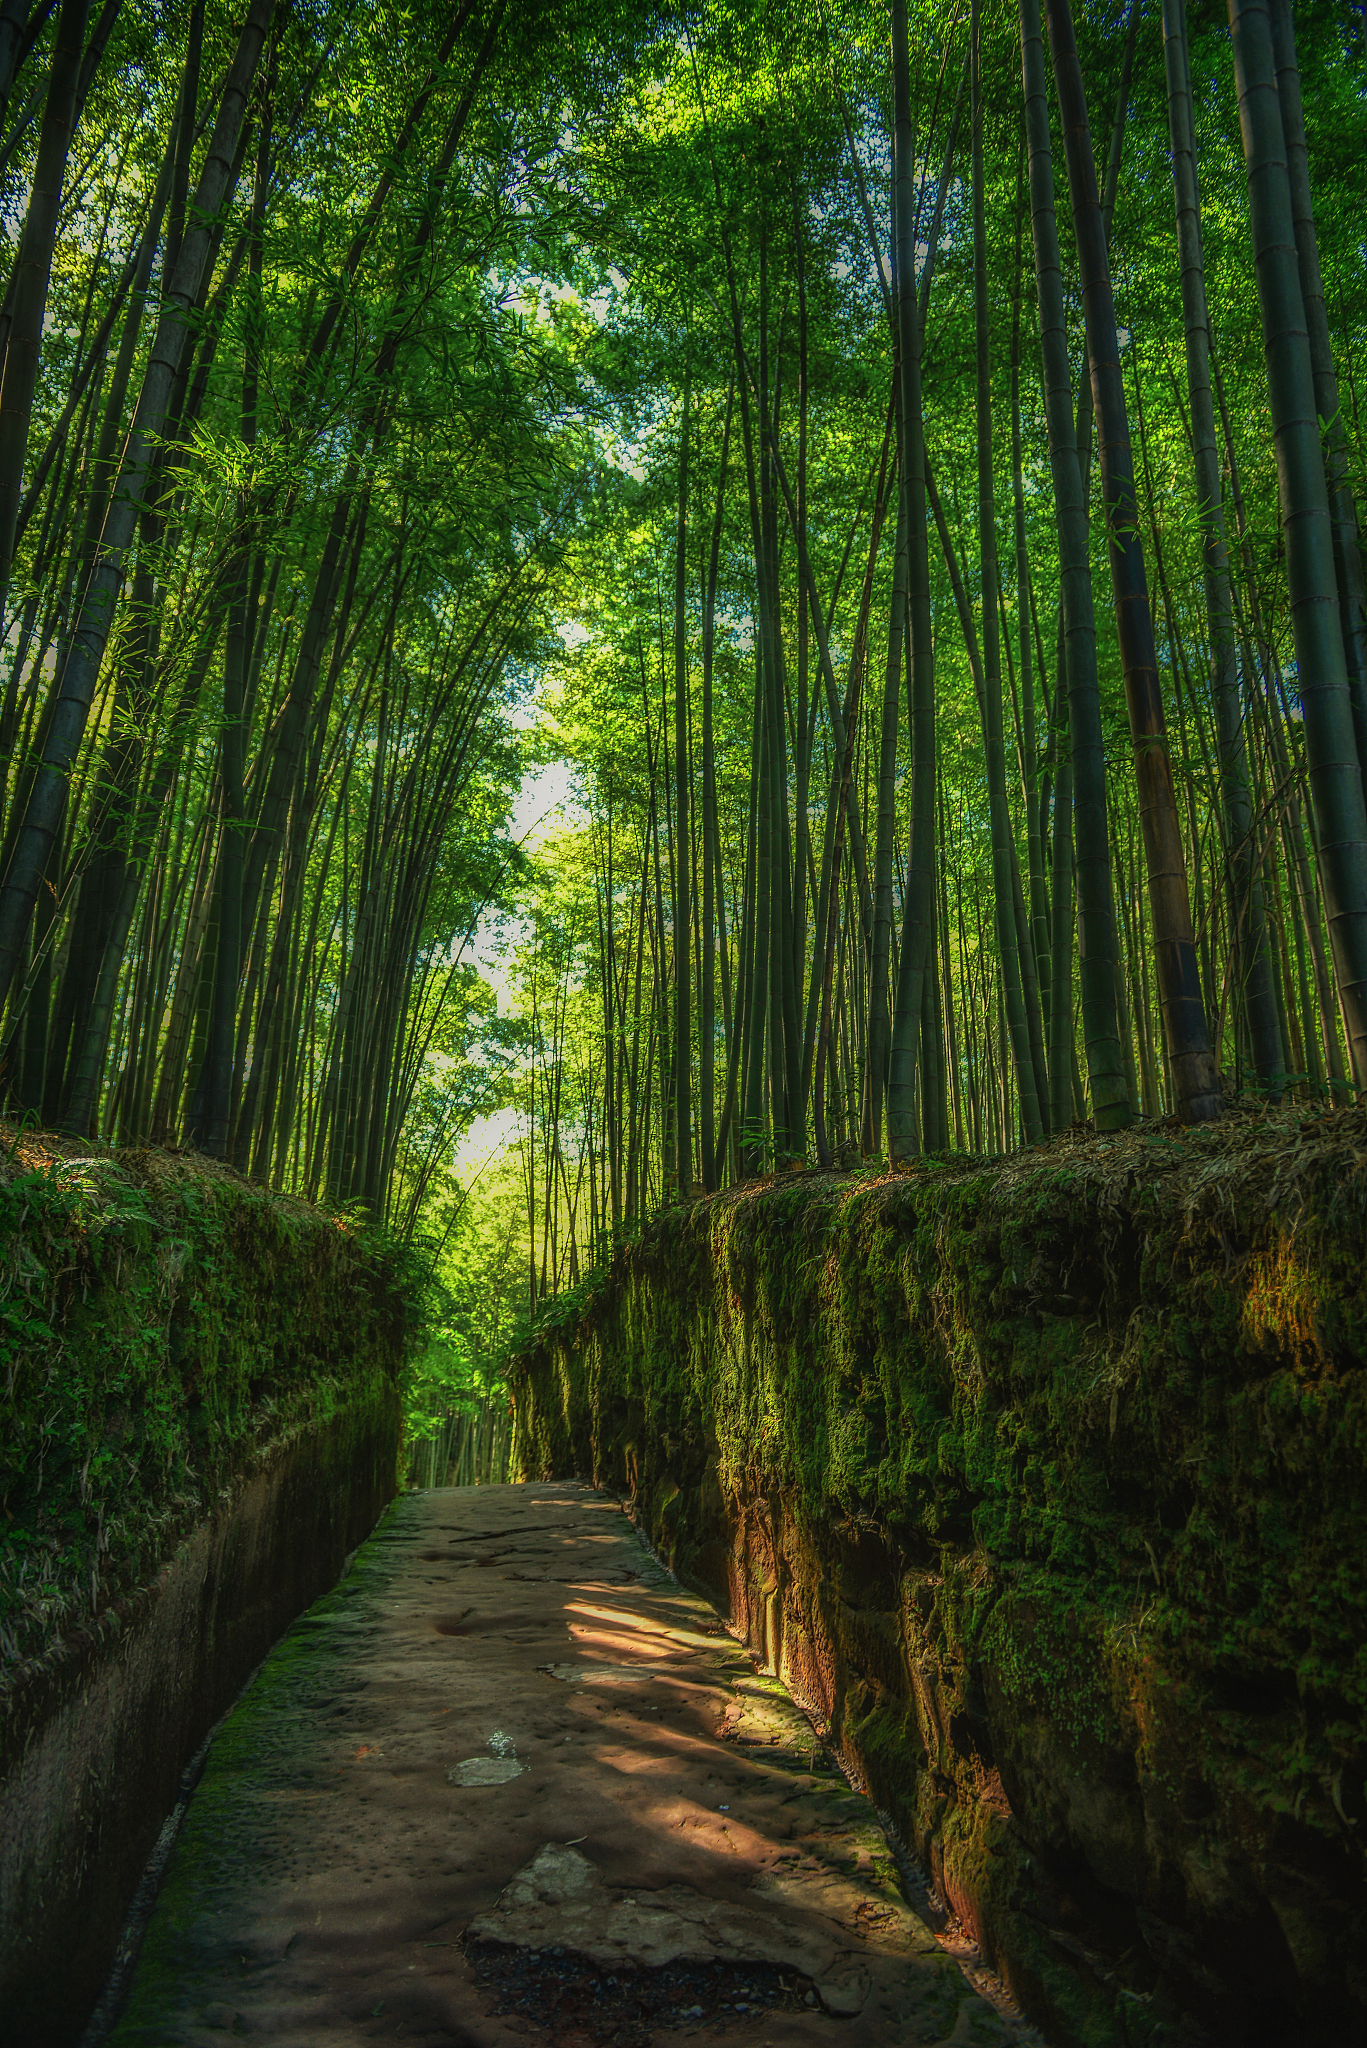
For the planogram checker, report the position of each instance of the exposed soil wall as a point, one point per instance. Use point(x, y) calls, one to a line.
point(1046, 1486)
point(202, 1418)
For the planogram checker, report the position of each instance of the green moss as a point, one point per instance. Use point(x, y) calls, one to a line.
point(163, 1325)
point(1106, 1400)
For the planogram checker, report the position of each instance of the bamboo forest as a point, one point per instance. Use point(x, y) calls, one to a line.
point(906, 472)
point(683, 990)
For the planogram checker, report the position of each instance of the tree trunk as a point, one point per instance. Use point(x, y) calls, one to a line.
point(1004, 907)
point(1343, 509)
point(1038, 941)
point(1251, 956)
point(1195, 1079)
point(885, 835)
point(918, 903)
point(1081, 760)
point(1307, 528)
point(47, 800)
point(32, 271)
point(683, 912)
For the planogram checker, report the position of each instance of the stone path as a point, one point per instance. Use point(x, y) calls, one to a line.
point(509, 1781)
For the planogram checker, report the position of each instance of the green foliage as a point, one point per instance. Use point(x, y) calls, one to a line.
point(469, 1264)
point(164, 1326)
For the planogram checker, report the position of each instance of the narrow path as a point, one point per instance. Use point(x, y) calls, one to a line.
point(508, 1781)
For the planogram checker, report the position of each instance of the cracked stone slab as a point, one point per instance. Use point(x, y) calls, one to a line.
point(562, 1899)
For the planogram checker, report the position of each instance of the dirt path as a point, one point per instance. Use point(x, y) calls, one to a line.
point(508, 1781)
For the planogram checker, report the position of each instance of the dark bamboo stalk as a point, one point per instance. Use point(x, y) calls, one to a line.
point(683, 865)
point(1184, 1022)
point(47, 800)
point(1078, 733)
point(1004, 907)
point(1322, 677)
point(32, 271)
point(918, 903)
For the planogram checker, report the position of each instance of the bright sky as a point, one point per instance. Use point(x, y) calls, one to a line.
point(539, 807)
point(486, 1135)
point(536, 811)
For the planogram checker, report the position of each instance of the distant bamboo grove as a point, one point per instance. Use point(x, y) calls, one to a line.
point(919, 457)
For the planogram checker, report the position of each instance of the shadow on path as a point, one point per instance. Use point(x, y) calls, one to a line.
point(507, 1781)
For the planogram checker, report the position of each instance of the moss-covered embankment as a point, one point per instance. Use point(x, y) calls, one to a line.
point(201, 1418)
point(1046, 1485)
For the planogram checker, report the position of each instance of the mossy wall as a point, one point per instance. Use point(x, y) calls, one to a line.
point(1045, 1485)
point(201, 1418)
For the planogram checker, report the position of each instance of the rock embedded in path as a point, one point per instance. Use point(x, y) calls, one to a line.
point(561, 1899)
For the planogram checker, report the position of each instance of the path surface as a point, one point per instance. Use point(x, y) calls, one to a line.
point(508, 1781)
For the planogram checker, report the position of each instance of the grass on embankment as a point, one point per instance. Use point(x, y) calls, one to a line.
point(164, 1327)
